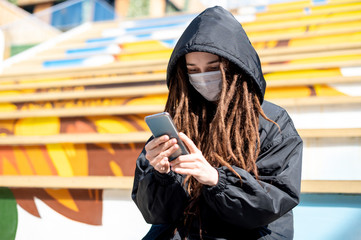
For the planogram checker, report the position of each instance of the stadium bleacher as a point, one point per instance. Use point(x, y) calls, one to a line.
point(73, 109)
point(308, 59)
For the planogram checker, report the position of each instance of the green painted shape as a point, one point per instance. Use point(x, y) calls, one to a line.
point(8, 215)
point(15, 49)
point(138, 8)
point(13, 1)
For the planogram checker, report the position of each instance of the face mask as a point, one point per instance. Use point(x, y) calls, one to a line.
point(208, 84)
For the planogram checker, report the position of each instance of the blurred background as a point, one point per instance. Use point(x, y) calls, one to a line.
point(78, 77)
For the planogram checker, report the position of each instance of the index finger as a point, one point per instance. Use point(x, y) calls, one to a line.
point(190, 144)
point(156, 142)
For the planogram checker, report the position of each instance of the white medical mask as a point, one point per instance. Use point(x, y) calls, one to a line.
point(208, 84)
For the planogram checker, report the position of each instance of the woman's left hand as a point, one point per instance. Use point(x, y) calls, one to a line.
point(194, 164)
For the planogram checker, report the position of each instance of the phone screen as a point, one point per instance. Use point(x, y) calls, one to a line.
point(162, 124)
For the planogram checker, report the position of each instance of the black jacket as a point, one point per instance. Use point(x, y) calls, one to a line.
point(233, 209)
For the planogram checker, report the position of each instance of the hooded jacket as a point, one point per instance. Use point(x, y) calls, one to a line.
point(233, 209)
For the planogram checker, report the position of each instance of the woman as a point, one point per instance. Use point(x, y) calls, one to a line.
point(242, 176)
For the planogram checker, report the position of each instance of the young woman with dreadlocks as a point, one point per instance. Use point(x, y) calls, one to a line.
point(242, 176)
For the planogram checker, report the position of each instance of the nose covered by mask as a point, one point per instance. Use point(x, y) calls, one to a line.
point(208, 84)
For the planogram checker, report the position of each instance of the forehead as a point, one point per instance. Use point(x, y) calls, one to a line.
point(200, 57)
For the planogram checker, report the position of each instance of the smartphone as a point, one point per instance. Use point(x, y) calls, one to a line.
point(162, 124)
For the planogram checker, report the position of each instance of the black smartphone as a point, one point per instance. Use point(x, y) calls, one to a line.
point(162, 124)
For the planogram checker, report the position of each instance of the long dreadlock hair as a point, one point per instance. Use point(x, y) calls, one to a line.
point(226, 132)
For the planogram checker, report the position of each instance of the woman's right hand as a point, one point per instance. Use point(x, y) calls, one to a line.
point(158, 151)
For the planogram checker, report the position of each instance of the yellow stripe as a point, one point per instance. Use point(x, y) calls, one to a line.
point(301, 92)
point(326, 59)
point(117, 171)
point(317, 9)
point(324, 90)
point(287, 5)
point(60, 160)
point(38, 161)
point(22, 162)
point(111, 124)
point(146, 55)
point(139, 119)
point(304, 19)
point(64, 197)
point(301, 74)
point(304, 29)
point(7, 107)
point(344, 25)
point(77, 156)
point(287, 92)
point(339, 38)
point(154, 99)
point(8, 168)
point(276, 32)
point(37, 126)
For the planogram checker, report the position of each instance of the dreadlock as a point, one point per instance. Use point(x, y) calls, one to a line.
point(226, 132)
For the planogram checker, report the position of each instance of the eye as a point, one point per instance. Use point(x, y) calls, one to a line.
point(193, 70)
point(212, 69)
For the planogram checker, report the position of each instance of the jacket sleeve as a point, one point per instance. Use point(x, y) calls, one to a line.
point(160, 198)
point(252, 203)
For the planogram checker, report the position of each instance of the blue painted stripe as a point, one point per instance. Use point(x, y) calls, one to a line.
point(64, 62)
point(130, 30)
point(319, 2)
point(261, 9)
point(167, 20)
point(99, 40)
point(85, 50)
point(138, 37)
point(146, 35)
point(170, 42)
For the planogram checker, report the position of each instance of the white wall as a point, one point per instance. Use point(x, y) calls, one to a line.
point(121, 220)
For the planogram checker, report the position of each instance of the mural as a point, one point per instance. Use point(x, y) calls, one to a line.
point(86, 210)
point(8, 213)
point(67, 159)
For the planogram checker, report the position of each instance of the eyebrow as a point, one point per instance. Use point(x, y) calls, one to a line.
point(214, 61)
point(208, 63)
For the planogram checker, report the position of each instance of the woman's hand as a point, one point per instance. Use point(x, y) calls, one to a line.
point(195, 164)
point(158, 150)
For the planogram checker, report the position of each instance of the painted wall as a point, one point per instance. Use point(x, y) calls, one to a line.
point(328, 217)
point(318, 217)
point(116, 217)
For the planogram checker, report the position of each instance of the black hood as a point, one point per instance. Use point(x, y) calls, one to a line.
point(216, 31)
